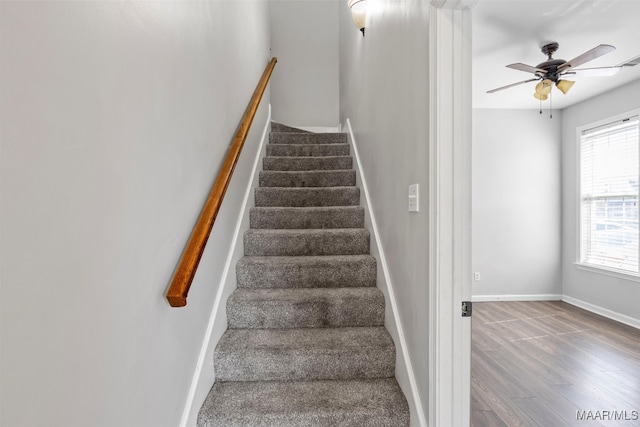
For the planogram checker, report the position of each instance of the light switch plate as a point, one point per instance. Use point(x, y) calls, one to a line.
point(414, 200)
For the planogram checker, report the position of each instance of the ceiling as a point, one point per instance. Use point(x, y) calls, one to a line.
point(509, 31)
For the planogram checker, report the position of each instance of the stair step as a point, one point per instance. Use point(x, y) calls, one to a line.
point(299, 150)
point(307, 196)
point(309, 217)
point(304, 354)
point(306, 272)
point(307, 138)
point(324, 178)
point(305, 308)
point(347, 403)
point(274, 163)
point(337, 241)
point(279, 127)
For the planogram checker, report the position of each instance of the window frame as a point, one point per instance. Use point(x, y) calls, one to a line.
point(595, 268)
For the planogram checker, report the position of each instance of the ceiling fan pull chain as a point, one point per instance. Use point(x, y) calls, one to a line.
point(550, 106)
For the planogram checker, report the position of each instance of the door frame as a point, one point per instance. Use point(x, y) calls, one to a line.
point(449, 212)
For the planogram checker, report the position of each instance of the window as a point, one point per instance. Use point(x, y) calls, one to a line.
point(609, 178)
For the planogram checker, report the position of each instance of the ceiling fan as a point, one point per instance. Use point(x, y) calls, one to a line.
point(553, 70)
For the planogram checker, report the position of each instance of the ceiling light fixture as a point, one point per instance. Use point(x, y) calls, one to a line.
point(358, 13)
point(549, 72)
point(543, 90)
point(564, 85)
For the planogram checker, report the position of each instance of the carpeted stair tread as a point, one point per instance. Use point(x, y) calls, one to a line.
point(306, 272)
point(307, 196)
point(306, 344)
point(320, 178)
point(279, 127)
point(302, 150)
point(304, 354)
point(347, 403)
point(275, 163)
point(307, 138)
point(307, 217)
point(336, 241)
point(305, 308)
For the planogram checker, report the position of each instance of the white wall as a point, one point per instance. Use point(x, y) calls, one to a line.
point(516, 203)
point(384, 93)
point(304, 37)
point(115, 117)
point(617, 295)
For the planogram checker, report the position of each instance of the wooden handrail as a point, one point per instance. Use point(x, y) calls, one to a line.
point(186, 270)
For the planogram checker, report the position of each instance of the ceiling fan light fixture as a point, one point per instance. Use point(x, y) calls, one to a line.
point(544, 87)
point(564, 85)
point(540, 96)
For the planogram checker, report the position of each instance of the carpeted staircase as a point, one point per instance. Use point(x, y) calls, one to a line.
point(306, 344)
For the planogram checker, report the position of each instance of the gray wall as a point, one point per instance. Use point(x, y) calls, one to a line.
point(611, 293)
point(115, 119)
point(304, 37)
point(516, 203)
point(384, 81)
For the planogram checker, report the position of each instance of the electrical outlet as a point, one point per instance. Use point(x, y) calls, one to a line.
point(476, 277)
point(414, 201)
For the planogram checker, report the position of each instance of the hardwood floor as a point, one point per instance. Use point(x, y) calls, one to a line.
point(552, 364)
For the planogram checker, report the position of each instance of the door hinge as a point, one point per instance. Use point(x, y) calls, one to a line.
point(467, 308)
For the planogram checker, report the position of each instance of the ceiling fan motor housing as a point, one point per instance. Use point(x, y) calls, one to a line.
point(551, 68)
point(549, 48)
point(550, 65)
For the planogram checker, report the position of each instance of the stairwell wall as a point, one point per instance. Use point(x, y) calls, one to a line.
point(304, 37)
point(115, 118)
point(384, 85)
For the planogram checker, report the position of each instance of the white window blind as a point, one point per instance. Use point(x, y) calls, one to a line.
point(610, 174)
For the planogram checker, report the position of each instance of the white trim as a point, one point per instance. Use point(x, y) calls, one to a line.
point(449, 213)
point(577, 197)
point(536, 297)
point(618, 317)
point(319, 129)
point(620, 274)
point(188, 407)
point(402, 350)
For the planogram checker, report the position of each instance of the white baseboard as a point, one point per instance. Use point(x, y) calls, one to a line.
point(535, 297)
point(627, 320)
point(204, 349)
point(385, 281)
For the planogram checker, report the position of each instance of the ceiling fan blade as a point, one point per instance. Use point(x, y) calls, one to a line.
point(526, 68)
point(511, 85)
point(593, 72)
point(587, 56)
